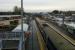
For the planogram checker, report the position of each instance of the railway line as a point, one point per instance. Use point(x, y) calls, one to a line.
point(59, 39)
point(41, 42)
point(36, 41)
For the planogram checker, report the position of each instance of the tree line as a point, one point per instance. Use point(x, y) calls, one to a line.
point(16, 11)
point(66, 13)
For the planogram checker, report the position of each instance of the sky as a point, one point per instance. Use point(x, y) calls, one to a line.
point(38, 5)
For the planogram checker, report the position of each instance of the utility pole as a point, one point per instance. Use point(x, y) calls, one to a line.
point(22, 15)
point(22, 45)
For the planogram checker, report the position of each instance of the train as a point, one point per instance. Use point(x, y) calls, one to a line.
point(47, 40)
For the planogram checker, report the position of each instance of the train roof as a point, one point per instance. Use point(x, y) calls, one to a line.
point(18, 28)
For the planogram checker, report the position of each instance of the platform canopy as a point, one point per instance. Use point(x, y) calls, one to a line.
point(18, 28)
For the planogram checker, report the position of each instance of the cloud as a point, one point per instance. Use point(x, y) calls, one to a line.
point(39, 4)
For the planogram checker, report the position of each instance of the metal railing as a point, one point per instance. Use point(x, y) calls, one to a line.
point(10, 35)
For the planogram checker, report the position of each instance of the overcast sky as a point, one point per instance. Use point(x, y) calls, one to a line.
point(7, 5)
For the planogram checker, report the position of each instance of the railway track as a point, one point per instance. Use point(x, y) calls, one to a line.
point(41, 43)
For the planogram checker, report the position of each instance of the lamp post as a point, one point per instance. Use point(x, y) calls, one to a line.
point(22, 25)
point(22, 15)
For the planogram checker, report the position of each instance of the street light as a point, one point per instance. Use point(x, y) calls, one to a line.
point(22, 45)
point(22, 15)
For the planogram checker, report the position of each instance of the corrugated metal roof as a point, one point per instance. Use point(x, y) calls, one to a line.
point(18, 28)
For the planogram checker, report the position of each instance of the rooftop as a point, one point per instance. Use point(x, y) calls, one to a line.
point(18, 28)
point(9, 15)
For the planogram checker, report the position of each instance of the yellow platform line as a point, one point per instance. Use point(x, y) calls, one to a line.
point(41, 41)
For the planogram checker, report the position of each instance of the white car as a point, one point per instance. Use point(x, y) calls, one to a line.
point(70, 27)
point(59, 21)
